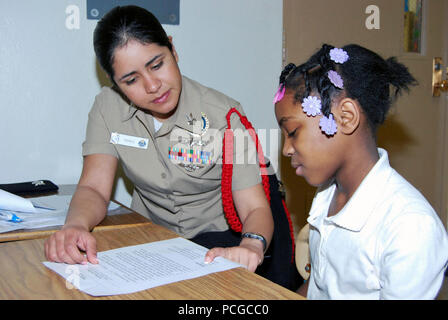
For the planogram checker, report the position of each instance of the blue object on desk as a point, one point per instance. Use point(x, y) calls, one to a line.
point(9, 216)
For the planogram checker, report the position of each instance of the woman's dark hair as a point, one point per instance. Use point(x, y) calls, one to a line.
point(367, 78)
point(122, 24)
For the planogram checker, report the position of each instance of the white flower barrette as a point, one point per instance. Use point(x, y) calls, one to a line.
point(312, 107)
point(338, 56)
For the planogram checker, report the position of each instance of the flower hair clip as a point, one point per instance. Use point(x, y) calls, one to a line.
point(312, 106)
point(280, 93)
point(338, 55)
point(328, 125)
point(336, 79)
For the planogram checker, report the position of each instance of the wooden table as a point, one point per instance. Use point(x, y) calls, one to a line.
point(23, 276)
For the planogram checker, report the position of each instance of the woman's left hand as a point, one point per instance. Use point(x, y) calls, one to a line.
point(255, 215)
point(247, 254)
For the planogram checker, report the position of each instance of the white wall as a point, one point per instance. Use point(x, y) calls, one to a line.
point(49, 76)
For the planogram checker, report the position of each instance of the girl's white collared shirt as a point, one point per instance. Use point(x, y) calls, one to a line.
point(386, 243)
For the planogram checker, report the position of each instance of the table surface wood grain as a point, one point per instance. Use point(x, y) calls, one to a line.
point(25, 277)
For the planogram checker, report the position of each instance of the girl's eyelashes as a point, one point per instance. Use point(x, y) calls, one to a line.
point(292, 133)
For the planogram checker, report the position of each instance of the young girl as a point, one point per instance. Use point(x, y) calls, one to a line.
point(372, 234)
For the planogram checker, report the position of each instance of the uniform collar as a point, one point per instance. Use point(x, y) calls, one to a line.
point(128, 110)
point(363, 202)
point(194, 103)
point(189, 102)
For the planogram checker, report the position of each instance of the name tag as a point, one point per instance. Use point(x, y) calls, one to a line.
point(130, 141)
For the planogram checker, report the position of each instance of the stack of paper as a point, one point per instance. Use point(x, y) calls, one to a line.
point(20, 213)
point(33, 213)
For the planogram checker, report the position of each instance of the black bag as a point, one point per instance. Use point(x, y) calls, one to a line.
point(279, 262)
point(30, 188)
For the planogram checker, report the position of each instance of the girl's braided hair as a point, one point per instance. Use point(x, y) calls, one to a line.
point(367, 78)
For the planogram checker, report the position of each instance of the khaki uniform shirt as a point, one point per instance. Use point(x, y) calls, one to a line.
point(176, 171)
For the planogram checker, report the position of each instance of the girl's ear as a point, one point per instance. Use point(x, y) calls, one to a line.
point(348, 115)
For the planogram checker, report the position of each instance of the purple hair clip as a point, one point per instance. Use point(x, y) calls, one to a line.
point(280, 93)
point(328, 125)
point(338, 55)
point(311, 106)
point(336, 79)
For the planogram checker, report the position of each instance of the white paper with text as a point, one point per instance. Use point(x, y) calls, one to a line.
point(135, 268)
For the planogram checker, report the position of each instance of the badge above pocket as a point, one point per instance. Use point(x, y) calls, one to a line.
point(129, 141)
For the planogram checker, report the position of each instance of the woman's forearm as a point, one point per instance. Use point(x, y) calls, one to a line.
point(87, 208)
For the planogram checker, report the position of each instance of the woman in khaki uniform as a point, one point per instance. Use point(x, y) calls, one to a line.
point(166, 131)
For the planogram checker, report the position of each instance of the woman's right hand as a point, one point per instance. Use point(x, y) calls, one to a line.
point(65, 245)
point(88, 207)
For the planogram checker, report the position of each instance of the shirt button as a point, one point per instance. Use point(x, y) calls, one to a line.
point(163, 175)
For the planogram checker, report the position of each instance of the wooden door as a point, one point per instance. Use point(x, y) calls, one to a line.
point(415, 131)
